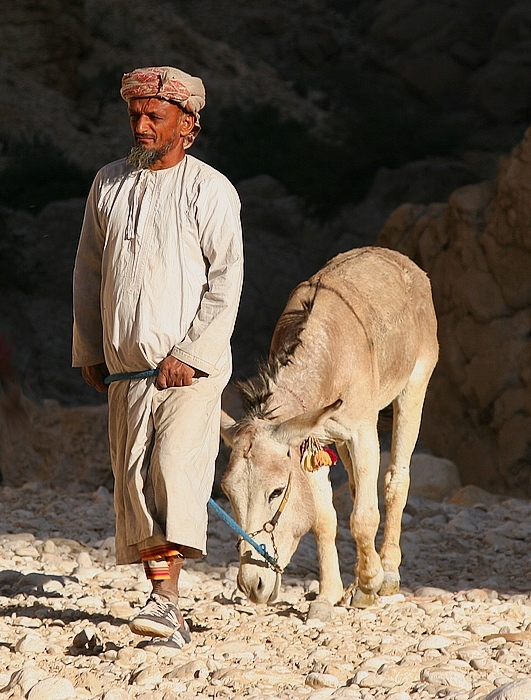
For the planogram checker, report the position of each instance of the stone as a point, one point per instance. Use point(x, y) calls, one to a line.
point(484, 629)
point(474, 495)
point(434, 641)
point(26, 678)
point(23, 621)
point(322, 694)
point(347, 692)
point(49, 547)
point(391, 675)
point(516, 690)
point(431, 591)
point(52, 689)
point(233, 649)
point(322, 680)
point(53, 586)
point(121, 609)
point(115, 694)
point(131, 656)
point(196, 668)
point(30, 644)
point(88, 640)
point(446, 677)
point(84, 560)
point(150, 675)
point(430, 477)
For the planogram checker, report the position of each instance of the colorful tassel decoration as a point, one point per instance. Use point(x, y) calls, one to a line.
point(314, 455)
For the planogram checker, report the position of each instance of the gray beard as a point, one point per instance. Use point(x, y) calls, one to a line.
point(141, 157)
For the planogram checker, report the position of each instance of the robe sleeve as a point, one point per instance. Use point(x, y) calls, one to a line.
point(217, 212)
point(87, 346)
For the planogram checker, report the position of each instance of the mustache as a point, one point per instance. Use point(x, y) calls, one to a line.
point(141, 136)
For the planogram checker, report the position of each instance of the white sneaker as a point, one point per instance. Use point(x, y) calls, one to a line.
point(158, 618)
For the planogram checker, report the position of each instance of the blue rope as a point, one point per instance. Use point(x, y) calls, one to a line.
point(260, 548)
point(131, 375)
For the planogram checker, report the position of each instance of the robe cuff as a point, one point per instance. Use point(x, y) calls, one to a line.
point(192, 360)
point(87, 360)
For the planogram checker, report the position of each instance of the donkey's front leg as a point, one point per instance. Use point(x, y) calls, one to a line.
point(365, 516)
point(407, 410)
point(325, 531)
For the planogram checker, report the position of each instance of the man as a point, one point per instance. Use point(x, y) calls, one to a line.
point(157, 283)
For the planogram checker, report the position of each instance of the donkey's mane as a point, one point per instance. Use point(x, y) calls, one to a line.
point(256, 393)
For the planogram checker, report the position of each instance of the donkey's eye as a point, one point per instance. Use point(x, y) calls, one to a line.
point(275, 494)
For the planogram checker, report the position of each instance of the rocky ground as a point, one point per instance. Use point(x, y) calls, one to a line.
point(459, 629)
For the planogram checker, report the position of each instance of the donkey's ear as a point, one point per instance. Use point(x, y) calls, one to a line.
point(228, 428)
point(294, 430)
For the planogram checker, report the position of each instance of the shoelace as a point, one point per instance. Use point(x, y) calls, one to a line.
point(158, 607)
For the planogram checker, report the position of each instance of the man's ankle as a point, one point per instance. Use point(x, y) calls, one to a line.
point(171, 595)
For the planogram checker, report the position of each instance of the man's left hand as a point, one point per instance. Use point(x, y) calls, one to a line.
point(173, 372)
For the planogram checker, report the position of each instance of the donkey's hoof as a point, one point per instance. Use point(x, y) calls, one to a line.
point(320, 610)
point(362, 600)
point(391, 584)
point(356, 598)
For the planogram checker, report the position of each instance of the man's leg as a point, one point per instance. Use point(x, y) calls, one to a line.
point(161, 616)
point(163, 566)
point(131, 434)
point(176, 491)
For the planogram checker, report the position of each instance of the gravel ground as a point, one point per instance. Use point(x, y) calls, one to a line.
point(459, 628)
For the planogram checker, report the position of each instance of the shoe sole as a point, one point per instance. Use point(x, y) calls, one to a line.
point(150, 628)
point(167, 643)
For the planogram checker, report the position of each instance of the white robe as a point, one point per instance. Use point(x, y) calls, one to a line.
point(159, 271)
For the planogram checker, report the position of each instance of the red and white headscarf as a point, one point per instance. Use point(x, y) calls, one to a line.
point(167, 83)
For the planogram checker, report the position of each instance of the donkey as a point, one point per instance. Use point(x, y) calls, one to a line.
point(359, 335)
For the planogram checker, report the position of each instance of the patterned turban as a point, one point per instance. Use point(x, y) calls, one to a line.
point(170, 84)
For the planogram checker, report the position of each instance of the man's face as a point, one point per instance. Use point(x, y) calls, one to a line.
point(157, 128)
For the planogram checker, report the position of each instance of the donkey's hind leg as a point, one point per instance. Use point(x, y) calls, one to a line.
point(407, 412)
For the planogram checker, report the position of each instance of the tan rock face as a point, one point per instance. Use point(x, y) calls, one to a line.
point(477, 251)
point(61, 62)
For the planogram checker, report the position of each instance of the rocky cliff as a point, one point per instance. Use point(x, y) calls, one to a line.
point(327, 115)
point(477, 252)
point(336, 89)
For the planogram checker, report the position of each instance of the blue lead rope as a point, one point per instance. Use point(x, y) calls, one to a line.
point(260, 548)
point(131, 375)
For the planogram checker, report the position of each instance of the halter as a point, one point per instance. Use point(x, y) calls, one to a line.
point(269, 528)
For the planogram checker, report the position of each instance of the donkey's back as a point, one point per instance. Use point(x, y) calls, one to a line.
point(370, 320)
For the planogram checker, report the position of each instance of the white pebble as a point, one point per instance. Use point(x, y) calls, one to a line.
point(446, 677)
point(516, 690)
point(434, 641)
point(30, 644)
point(321, 680)
point(52, 689)
point(151, 675)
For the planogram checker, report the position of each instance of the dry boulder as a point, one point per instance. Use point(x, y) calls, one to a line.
point(477, 251)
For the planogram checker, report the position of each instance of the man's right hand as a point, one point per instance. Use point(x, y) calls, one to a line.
point(94, 375)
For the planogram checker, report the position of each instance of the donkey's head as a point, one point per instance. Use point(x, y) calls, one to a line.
point(269, 493)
